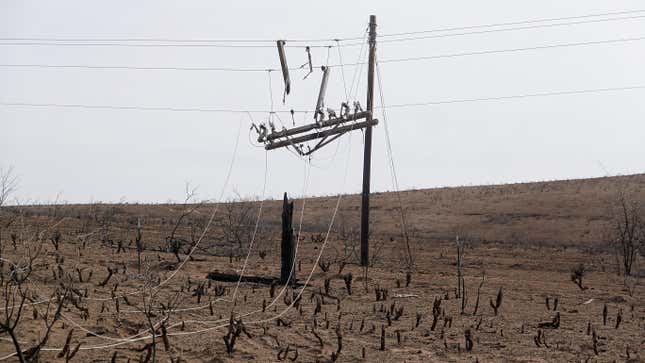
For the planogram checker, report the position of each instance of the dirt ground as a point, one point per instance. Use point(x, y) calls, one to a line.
point(524, 239)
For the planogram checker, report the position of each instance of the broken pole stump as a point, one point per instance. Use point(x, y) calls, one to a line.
point(287, 270)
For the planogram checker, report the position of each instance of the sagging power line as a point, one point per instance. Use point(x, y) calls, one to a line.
point(400, 105)
point(384, 61)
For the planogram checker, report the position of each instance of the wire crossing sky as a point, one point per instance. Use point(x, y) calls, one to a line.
point(94, 105)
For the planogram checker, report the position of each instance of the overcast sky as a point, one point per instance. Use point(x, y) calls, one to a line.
point(132, 155)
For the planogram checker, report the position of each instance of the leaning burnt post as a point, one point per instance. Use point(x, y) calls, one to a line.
point(287, 276)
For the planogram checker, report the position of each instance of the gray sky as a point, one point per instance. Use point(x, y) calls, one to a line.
point(111, 155)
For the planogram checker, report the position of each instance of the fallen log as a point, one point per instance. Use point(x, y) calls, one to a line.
point(230, 277)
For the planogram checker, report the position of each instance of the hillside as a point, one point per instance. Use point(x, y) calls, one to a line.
point(569, 212)
point(518, 240)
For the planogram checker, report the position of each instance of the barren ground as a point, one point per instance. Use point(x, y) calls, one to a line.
point(526, 238)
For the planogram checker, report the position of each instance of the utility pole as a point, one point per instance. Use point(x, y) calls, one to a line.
point(330, 129)
point(367, 152)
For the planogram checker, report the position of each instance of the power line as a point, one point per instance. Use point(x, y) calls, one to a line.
point(209, 44)
point(517, 96)
point(143, 68)
point(392, 167)
point(214, 43)
point(393, 60)
point(402, 105)
point(148, 45)
point(252, 42)
point(139, 108)
point(273, 317)
point(531, 21)
point(192, 250)
point(511, 50)
point(257, 42)
point(506, 29)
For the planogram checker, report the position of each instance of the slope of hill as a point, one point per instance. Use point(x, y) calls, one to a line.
point(556, 212)
point(83, 259)
point(569, 212)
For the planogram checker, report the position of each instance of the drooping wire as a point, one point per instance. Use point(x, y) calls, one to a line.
point(322, 248)
point(208, 224)
point(250, 248)
point(188, 256)
point(323, 245)
point(211, 220)
point(215, 210)
point(293, 267)
point(395, 180)
point(342, 70)
point(255, 229)
point(359, 70)
point(193, 249)
point(305, 187)
point(106, 337)
point(307, 174)
point(315, 263)
point(107, 346)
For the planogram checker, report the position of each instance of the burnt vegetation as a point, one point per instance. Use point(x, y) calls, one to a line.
point(78, 277)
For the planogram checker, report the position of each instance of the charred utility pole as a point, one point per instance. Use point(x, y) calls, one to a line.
point(367, 152)
point(326, 130)
point(287, 248)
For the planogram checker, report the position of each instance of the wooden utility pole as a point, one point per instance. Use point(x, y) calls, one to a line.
point(367, 152)
point(326, 131)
